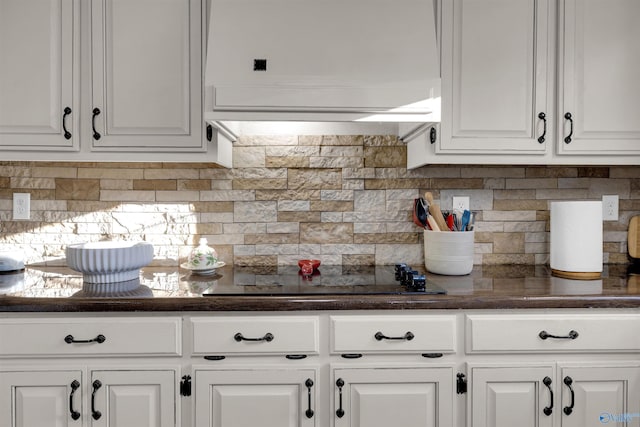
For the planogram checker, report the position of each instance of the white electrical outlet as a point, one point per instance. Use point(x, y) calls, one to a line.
point(461, 203)
point(21, 205)
point(610, 208)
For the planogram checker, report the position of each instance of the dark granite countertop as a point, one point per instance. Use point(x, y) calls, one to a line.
point(169, 289)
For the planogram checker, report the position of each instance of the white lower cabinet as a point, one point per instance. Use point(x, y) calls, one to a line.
point(255, 397)
point(532, 395)
point(41, 398)
point(116, 398)
point(512, 396)
point(380, 397)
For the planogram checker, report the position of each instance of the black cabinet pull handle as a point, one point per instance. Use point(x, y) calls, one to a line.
point(569, 409)
point(309, 383)
point(549, 409)
point(380, 336)
point(69, 339)
point(268, 337)
point(94, 413)
point(543, 117)
point(351, 355)
point(75, 384)
point(340, 411)
point(67, 111)
point(572, 335)
point(96, 135)
point(569, 117)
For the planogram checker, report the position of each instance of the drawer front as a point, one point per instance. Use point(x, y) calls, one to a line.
point(63, 337)
point(564, 333)
point(255, 335)
point(393, 334)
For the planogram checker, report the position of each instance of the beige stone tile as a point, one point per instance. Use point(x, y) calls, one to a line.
point(390, 254)
point(386, 238)
point(257, 260)
point(287, 162)
point(551, 172)
point(358, 260)
point(336, 162)
point(277, 249)
point(77, 189)
point(601, 186)
point(369, 227)
point(614, 172)
point(492, 172)
point(385, 157)
point(294, 205)
point(381, 141)
point(35, 183)
point(310, 217)
point(155, 184)
point(493, 259)
point(331, 206)
point(213, 206)
point(260, 184)
point(253, 157)
point(278, 195)
point(448, 183)
point(383, 184)
point(519, 205)
point(116, 184)
point(508, 243)
point(435, 171)
point(341, 151)
point(54, 172)
point(283, 227)
point(561, 194)
point(163, 174)
point(5, 182)
point(227, 195)
point(331, 217)
point(510, 215)
point(315, 179)
point(292, 151)
point(177, 196)
point(127, 196)
point(244, 228)
point(525, 227)
point(326, 233)
point(272, 239)
point(262, 140)
point(538, 183)
point(514, 194)
point(358, 173)
point(194, 184)
point(258, 211)
point(536, 248)
point(110, 173)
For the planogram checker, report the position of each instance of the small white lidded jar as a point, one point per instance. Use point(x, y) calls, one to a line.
point(203, 256)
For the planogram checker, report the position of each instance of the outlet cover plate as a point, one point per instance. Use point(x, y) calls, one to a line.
point(21, 205)
point(461, 203)
point(610, 208)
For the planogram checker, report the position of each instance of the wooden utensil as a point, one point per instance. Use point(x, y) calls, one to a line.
point(435, 211)
point(633, 237)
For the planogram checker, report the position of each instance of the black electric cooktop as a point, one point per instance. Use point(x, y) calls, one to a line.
point(326, 280)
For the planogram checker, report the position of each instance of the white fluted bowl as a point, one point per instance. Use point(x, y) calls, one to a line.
point(109, 262)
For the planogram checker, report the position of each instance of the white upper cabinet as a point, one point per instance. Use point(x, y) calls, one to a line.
point(496, 77)
point(146, 75)
point(599, 65)
point(39, 90)
point(323, 60)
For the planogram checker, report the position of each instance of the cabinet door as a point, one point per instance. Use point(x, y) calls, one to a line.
point(513, 396)
point(599, 85)
point(594, 396)
point(146, 75)
point(407, 397)
point(132, 398)
point(249, 398)
point(496, 76)
point(38, 81)
point(41, 398)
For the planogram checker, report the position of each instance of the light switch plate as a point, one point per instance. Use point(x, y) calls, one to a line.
point(21, 205)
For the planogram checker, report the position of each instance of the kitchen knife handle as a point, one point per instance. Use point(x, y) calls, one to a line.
point(543, 117)
point(569, 117)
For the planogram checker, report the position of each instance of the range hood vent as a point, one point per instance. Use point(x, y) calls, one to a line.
point(322, 61)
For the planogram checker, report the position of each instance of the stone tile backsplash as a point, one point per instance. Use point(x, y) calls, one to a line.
point(342, 199)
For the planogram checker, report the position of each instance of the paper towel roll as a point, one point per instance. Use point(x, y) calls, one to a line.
point(576, 239)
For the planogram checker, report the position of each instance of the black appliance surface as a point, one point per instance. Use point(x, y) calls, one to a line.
point(326, 280)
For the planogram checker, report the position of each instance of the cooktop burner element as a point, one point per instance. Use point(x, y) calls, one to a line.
point(327, 280)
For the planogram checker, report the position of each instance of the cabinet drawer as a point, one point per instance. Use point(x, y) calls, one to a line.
point(255, 335)
point(391, 334)
point(522, 333)
point(122, 336)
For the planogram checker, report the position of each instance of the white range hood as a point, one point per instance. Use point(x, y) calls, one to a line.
point(359, 61)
